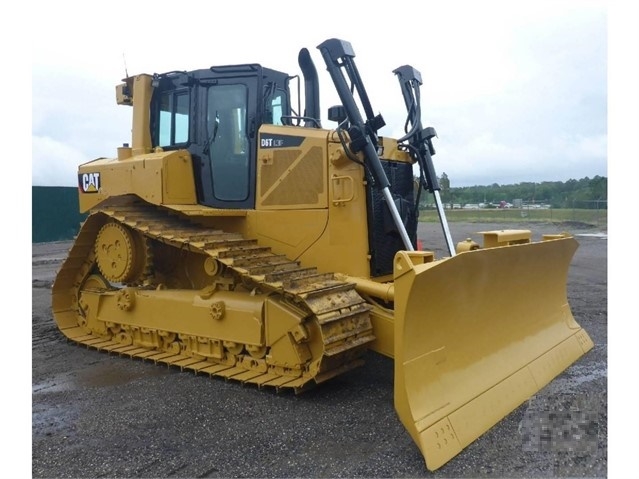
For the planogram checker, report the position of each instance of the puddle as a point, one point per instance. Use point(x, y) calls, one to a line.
point(579, 374)
point(100, 376)
point(594, 235)
point(56, 421)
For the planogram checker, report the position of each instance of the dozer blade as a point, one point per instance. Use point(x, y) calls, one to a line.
point(476, 335)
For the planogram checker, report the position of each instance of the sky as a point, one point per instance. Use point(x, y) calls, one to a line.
point(517, 91)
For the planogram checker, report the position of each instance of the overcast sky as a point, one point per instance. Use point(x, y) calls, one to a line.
point(517, 91)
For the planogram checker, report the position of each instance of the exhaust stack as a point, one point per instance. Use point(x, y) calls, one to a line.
point(311, 90)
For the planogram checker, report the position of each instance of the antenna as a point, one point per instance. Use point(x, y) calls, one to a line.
point(126, 72)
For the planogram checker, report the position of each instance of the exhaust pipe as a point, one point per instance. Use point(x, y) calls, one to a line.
point(311, 90)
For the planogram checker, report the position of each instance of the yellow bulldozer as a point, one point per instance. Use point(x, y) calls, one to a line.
point(236, 237)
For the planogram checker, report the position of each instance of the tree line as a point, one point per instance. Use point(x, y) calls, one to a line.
point(583, 193)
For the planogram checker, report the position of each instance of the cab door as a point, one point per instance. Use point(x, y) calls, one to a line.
point(225, 149)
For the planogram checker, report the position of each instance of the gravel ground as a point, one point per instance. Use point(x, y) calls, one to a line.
point(99, 415)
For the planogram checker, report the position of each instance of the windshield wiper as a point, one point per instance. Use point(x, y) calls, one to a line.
point(213, 136)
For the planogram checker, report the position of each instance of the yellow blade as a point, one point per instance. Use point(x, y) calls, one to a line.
point(476, 335)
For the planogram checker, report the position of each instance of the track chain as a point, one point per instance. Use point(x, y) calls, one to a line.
point(340, 312)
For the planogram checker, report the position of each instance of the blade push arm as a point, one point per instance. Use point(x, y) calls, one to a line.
point(338, 55)
point(419, 141)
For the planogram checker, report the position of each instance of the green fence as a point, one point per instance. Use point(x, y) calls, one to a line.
point(54, 213)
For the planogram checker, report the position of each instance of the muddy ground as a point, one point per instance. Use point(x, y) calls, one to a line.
point(100, 415)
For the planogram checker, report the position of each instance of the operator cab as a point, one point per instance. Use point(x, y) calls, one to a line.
point(215, 114)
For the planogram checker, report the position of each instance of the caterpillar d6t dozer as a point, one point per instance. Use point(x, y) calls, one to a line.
point(235, 236)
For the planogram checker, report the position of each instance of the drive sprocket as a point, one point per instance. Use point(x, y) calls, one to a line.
point(122, 254)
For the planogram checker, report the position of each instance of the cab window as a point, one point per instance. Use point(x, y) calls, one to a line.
point(174, 118)
point(277, 107)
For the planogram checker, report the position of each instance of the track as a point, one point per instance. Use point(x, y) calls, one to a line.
point(162, 252)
